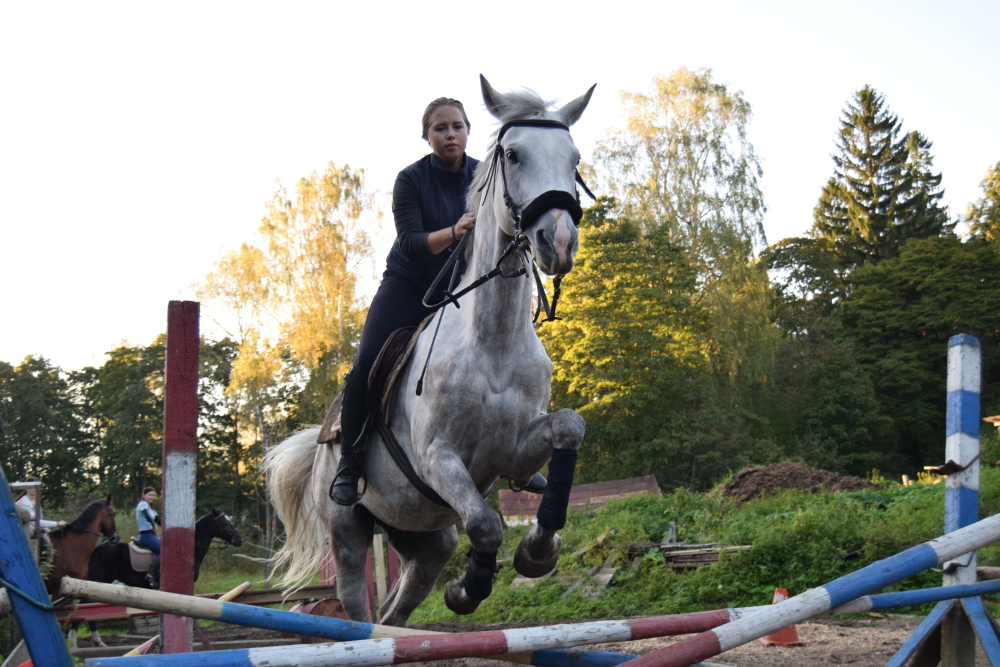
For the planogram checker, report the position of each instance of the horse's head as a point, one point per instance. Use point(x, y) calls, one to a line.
point(534, 166)
point(225, 528)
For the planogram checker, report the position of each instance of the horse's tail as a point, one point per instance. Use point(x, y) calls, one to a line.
point(289, 470)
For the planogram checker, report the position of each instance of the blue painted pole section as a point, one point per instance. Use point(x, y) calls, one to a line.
point(977, 613)
point(926, 595)
point(300, 624)
point(962, 434)
point(880, 574)
point(41, 631)
point(920, 635)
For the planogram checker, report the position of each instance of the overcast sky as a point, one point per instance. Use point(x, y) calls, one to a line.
point(141, 140)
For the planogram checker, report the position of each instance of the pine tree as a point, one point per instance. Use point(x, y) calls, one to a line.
point(983, 216)
point(883, 191)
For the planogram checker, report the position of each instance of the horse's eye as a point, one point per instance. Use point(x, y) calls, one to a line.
point(511, 157)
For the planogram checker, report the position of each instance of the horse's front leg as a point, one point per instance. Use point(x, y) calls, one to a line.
point(555, 437)
point(445, 472)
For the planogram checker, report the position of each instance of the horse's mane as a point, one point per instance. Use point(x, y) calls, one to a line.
point(81, 522)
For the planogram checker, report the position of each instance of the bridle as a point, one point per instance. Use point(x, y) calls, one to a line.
point(518, 245)
point(550, 199)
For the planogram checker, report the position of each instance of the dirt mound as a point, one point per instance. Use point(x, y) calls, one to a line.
point(756, 481)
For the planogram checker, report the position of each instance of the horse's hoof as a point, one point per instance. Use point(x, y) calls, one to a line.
point(534, 565)
point(457, 599)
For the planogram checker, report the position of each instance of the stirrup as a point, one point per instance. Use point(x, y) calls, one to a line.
point(536, 484)
point(346, 480)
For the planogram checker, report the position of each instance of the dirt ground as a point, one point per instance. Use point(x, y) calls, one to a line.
point(856, 642)
point(754, 481)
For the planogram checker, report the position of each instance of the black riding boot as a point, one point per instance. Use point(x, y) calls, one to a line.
point(352, 420)
point(153, 576)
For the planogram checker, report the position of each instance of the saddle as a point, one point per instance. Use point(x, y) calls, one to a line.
point(141, 557)
point(383, 382)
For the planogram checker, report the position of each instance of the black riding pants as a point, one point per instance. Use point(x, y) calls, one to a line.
point(397, 304)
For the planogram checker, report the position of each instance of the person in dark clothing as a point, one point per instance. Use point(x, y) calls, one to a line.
point(428, 206)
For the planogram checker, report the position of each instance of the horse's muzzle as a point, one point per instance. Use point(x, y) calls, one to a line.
point(554, 241)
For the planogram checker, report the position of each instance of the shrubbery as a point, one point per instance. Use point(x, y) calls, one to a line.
point(799, 541)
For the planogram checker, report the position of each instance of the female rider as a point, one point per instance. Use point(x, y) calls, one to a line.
point(428, 205)
point(147, 520)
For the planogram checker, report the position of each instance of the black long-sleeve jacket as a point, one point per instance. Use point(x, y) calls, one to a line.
point(426, 197)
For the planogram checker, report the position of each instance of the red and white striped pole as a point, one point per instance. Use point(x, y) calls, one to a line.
point(180, 448)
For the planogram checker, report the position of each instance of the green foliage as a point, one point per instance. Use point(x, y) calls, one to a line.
point(799, 541)
point(983, 215)
point(901, 316)
point(127, 399)
point(684, 162)
point(628, 344)
point(41, 429)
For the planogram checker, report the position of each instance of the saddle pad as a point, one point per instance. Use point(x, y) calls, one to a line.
point(141, 558)
point(388, 366)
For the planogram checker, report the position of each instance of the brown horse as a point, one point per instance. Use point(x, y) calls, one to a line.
point(74, 544)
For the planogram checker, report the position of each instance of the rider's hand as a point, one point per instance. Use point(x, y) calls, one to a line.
point(464, 224)
point(62, 524)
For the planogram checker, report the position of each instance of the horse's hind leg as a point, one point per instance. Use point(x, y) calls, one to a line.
point(423, 556)
point(559, 436)
point(352, 530)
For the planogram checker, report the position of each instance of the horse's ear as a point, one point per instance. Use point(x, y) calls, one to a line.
point(572, 111)
point(216, 511)
point(495, 102)
point(108, 500)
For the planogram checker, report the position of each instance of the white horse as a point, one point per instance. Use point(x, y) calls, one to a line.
point(482, 412)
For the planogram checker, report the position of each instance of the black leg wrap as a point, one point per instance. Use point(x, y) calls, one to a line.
point(552, 511)
point(479, 574)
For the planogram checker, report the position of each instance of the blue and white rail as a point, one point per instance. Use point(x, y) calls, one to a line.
point(822, 599)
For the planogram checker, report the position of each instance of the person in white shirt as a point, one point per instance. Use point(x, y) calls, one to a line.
point(29, 499)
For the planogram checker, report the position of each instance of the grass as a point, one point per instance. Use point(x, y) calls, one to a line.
point(799, 541)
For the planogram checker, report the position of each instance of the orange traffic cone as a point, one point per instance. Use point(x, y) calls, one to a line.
point(786, 636)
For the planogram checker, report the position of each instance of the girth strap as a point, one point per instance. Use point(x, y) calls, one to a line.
point(403, 461)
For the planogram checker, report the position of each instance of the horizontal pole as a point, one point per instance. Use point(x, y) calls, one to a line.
point(407, 647)
point(916, 597)
point(819, 600)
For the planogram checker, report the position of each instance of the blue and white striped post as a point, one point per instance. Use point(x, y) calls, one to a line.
point(26, 590)
point(961, 504)
point(961, 500)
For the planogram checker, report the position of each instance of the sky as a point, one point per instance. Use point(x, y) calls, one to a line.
point(140, 141)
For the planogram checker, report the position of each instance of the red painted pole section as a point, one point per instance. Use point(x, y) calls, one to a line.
point(180, 448)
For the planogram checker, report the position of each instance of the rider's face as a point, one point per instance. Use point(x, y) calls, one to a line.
point(448, 134)
point(150, 496)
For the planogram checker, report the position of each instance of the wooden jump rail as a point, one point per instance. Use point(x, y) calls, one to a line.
point(101, 611)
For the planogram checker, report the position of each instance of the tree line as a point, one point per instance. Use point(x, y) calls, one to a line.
point(691, 345)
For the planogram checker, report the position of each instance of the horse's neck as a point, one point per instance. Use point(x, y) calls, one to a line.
point(203, 532)
point(497, 313)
